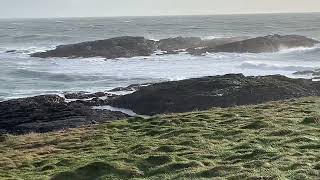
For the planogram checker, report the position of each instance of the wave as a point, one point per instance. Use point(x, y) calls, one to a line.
point(26, 36)
point(41, 37)
point(285, 50)
point(192, 27)
point(26, 50)
point(63, 77)
point(266, 66)
point(309, 29)
point(211, 37)
point(11, 28)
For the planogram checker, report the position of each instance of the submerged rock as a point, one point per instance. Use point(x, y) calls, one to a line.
point(214, 91)
point(11, 51)
point(315, 72)
point(48, 113)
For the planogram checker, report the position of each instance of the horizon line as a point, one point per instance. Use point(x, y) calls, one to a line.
point(170, 15)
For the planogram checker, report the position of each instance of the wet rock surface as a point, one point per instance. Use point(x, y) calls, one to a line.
point(214, 91)
point(177, 43)
point(128, 46)
point(85, 95)
point(49, 113)
point(118, 47)
point(270, 43)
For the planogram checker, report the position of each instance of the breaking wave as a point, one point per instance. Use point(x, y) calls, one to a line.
point(299, 49)
point(273, 66)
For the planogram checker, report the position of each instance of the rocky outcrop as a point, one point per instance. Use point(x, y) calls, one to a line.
point(193, 44)
point(51, 112)
point(118, 47)
point(48, 113)
point(266, 44)
point(216, 91)
point(271, 43)
point(127, 46)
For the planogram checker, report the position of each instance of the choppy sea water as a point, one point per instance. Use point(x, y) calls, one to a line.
point(21, 75)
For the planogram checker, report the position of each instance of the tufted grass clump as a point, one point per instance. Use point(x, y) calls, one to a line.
point(315, 119)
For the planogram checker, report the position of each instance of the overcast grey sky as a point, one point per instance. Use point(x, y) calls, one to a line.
point(92, 8)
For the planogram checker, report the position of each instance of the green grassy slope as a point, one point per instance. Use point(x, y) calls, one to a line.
point(279, 140)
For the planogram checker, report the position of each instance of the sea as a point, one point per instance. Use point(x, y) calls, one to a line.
point(23, 76)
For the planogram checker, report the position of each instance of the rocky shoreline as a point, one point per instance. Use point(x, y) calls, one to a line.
point(128, 46)
point(51, 112)
point(215, 91)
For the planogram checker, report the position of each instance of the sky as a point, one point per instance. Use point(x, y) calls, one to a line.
point(97, 8)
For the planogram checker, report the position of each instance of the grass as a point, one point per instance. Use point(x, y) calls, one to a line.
point(278, 140)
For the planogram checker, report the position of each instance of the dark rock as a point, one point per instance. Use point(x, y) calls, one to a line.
point(85, 95)
point(215, 91)
point(172, 52)
point(48, 113)
point(132, 87)
point(93, 99)
point(177, 43)
point(307, 72)
point(211, 43)
point(197, 51)
point(271, 43)
point(11, 51)
point(118, 47)
point(128, 46)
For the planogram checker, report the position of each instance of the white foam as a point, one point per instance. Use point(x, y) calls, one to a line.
point(98, 75)
point(284, 49)
point(211, 37)
point(273, 66)
point(27, 49)
point(115, 109)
